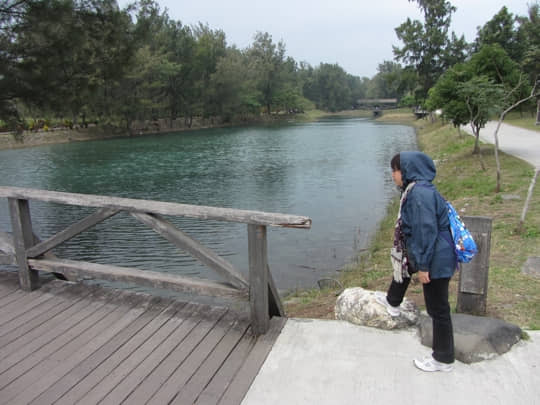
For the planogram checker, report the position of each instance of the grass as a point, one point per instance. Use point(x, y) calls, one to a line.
point(512, 296)
point(525, 120)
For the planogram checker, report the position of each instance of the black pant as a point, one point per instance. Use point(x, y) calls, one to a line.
point(438, 308)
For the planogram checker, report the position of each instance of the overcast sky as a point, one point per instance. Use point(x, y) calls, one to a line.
point(356, 34)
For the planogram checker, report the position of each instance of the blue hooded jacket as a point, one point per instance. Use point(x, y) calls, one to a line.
point(424, 218)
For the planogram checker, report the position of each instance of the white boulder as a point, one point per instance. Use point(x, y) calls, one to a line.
point(359, 306)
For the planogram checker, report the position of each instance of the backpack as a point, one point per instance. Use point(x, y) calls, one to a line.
point(464, 244)
point(462, 240)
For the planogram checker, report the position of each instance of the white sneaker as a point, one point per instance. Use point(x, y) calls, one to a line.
point(380, 297)
point(429, 364)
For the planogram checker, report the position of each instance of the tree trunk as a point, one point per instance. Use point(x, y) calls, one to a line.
point(497, 161)
point(521, 225)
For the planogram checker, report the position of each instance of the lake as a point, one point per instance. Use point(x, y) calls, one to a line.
point(335, 171)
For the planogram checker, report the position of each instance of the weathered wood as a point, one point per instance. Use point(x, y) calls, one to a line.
point(258, 278)
point(197, 347)
point(6, 243)
point(225, 375)
point(58, 364)
point(110, 372)
point(8, 259)
point(211, 365)
point(77, 269)
point(473, 279)
point(165, 358)
point(91, 344)
point(71, 231)
point(239, 386)
point(158, 207)
point(193, 247)
point(23, 238)
point(104, 351)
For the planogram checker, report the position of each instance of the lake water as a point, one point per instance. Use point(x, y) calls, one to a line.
point(335, 171)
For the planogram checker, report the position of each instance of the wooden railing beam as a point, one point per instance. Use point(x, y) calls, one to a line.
point(78, 269)
point(70, 232)
point(193, 247)
point(158, 207)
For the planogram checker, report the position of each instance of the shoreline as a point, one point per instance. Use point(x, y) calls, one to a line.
point(28, 139)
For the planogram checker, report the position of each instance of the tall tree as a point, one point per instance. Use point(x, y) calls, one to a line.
point(426, 46)
point(234, 87)
point(501, 30)
point(269, 59)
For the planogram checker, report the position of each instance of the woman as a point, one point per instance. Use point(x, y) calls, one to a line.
point(423, 235)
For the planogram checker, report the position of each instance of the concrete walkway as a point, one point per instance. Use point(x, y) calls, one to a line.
point(516, 141)
point(334, 362)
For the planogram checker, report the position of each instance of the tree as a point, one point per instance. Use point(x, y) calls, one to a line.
point(529, 30)
point(483, 98)
point(65, 50)
point(445, 95)
point(426, 46)
point(535, 92)
point(210, 47)
point(268, 59)
point(332, 88)
point(234, 86)
point(500, 30)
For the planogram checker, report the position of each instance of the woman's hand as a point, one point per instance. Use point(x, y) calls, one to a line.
point(423, 276)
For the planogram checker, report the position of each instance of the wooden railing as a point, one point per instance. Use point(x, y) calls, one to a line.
point(25, 250)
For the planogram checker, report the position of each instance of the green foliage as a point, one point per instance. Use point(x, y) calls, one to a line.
point(500, 30)
point(427, 48)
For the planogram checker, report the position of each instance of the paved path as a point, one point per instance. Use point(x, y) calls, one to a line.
point(516, 141)
point(334, 362)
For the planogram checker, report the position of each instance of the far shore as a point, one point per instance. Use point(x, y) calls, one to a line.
point(26, 139)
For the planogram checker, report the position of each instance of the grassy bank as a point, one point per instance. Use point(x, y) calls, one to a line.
point(512, 296)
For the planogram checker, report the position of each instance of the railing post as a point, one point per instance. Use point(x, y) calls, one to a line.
point(23, 238)
point(258, 278)
point(473, 280)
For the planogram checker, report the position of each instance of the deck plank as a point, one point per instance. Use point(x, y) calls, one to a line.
point(220, 382)
point(245, 376)
point(58, 327)
point(172, 372)
point(211, 365)
point(146, 357)
point(61, 364)
point(28, 371)
point(84, 367)
point(25, 304)
point(71, 343)
point(162, 326)
point(170, 352)
point(16, 328)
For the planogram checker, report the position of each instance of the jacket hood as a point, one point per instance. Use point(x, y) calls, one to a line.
point(416, 166)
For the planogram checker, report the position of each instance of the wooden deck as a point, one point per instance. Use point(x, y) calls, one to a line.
point(74, 344)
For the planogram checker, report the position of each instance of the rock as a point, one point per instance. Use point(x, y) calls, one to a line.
point(360, 307)
point(476, 338)
point(509, 197)
point(532, 266)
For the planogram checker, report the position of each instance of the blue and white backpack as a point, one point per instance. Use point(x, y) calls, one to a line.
point(464, 244)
